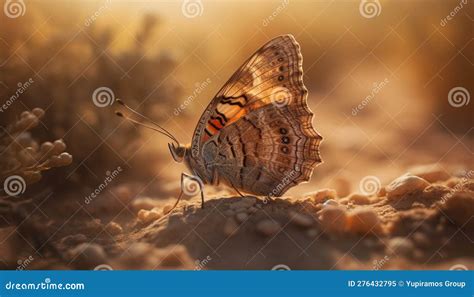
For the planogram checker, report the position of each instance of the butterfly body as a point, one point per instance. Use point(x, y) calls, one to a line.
point(256, 135)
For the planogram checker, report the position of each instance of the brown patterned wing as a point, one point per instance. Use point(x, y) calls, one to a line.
point(257, 132)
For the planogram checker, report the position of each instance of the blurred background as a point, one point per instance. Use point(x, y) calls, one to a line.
point(398, 59)
point(389, 83)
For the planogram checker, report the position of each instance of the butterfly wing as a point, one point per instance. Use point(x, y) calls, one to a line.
point(256, 133)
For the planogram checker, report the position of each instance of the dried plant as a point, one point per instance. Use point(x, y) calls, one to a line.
point(23, 157)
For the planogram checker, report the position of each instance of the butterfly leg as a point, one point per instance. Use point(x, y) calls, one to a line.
point(237, 190)
point(202, 199)
point(176, 203)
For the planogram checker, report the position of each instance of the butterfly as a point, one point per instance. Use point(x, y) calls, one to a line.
point(256, 134)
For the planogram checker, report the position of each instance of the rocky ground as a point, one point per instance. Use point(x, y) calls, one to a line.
point(421, 220)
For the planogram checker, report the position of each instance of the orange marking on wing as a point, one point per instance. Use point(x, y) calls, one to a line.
point(237, 116)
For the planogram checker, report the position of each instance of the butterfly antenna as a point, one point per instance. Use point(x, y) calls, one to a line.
point(157, 127)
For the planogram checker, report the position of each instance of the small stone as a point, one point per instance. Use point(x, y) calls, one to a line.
point(343, 201)
point(400, 246)
point(113, 228)
point(148, 216)
point(404, 185)
point(301, 220)
point(421, 239)
point(245, 202)
point(73, 239)
point(123, 193)
point(330, 202)
point(333, 219)
point(230, 227)
point(144, 203)
point(94, 225)
point(241, 217)
point(268, 227)
point(359, 199)
point(431, 173)
point(88, 255)
point(312, 232)
point(321, 196)
point(362, 221)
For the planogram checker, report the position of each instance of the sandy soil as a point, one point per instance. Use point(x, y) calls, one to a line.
point(421, 221)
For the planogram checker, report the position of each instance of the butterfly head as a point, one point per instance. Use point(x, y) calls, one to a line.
point(177, 152)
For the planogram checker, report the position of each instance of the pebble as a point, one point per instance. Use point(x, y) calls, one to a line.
point(241, 217)
point(321, 195)
point(312, 232)
point(333, 219)
point(148, 216)
point(404, 185)
point(330, 202)
point(362, 221)
point(144, 203)
point(88, 254)
point(123, 193)
point(73, 239)
point(400, 246)
point(230, 227)
point(359, 199)
point(300, 219)
point(268, 227)
point(431, 173)
point(113, 228)
point(421, 239)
